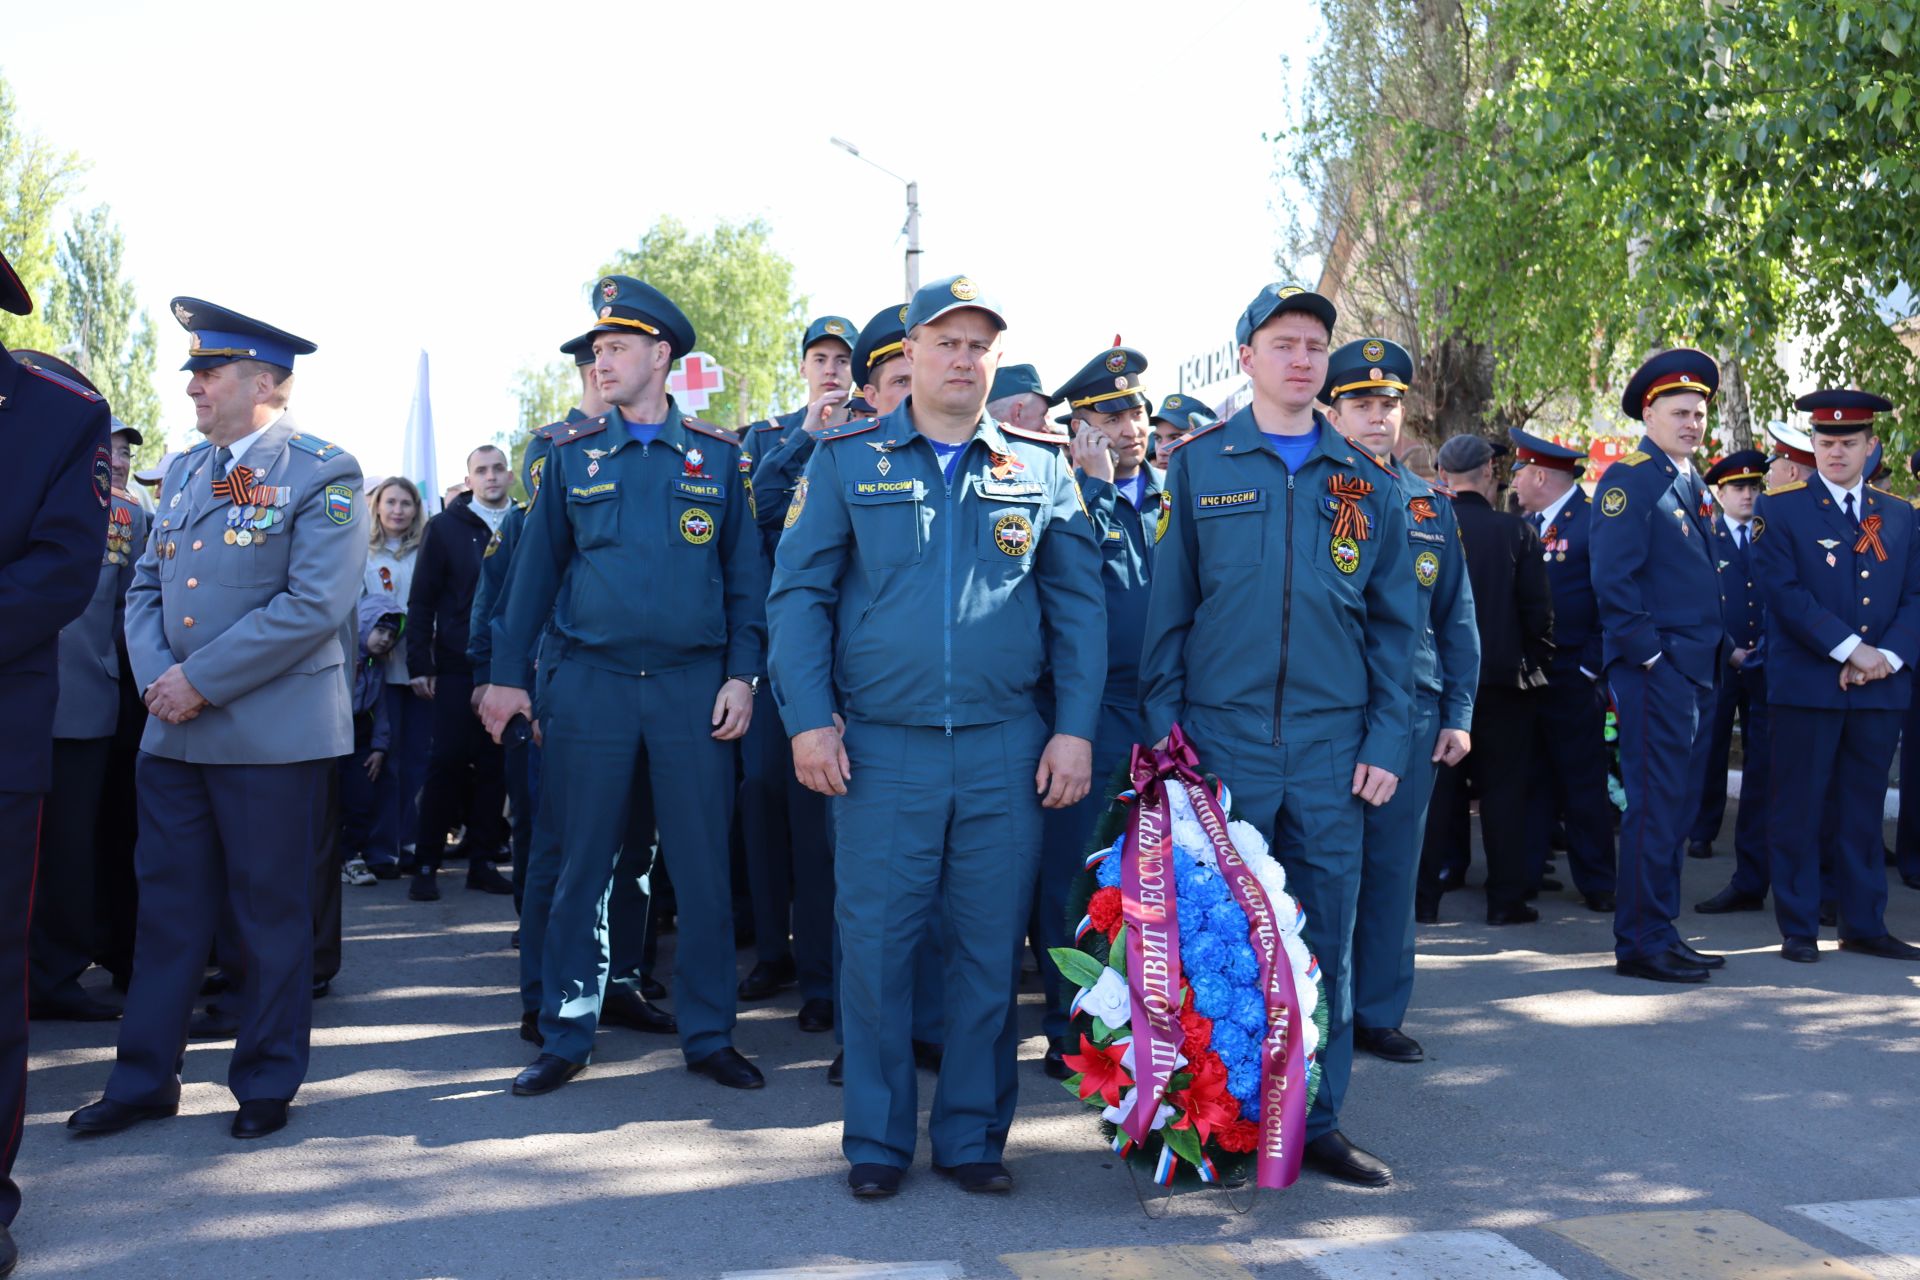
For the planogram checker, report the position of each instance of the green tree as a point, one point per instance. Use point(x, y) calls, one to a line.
point(95, 307)
point(738, 291)
point(1627, 176)
point(545, 393)
point(34, 178)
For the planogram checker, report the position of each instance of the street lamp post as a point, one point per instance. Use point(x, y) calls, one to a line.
point(912, 228)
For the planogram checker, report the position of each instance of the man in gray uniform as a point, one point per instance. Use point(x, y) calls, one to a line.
point(234, 622)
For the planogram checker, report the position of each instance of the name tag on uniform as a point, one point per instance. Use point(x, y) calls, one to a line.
point(1025, 490)
point(1240, 499)
point(1422, 535)
point(588, 493)
point(871, 491)
point(1115, 535)
point(705, 489)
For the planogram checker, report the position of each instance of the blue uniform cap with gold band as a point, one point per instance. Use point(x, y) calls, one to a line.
point(1184, 412)
point(1742, 466)
point(1841, 413)
point(1369, 367)
point(1277, 299)
point(858, 407)
point(221, 336)
point(1107, 383)
point(1020, 380)
point(1681, 369)
point(839, 328)
point(1530, 450)
point(951, 294)
point(878, 342)
point(580, 348)
point(13, 295)
point(1791, 443)
point(626, 305)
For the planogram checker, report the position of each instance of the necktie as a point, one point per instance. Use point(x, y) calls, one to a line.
point(1740, 536)
point(1540, 522)
point(1852, 518)
point(222, 460)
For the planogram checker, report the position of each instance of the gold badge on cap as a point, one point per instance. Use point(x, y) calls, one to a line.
point(965, 289)
point(181, 314)
point(609, 290)
point(605, 312)
point(903, 315)
point(1373, 349)
point(1117, 362)
point(1286, 290)
point(1173, 402)
point(835, 328)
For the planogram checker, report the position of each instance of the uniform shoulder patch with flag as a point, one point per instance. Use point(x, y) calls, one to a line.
point(340, 504)
point(799, 501)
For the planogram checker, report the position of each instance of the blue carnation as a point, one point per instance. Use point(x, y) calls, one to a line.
point(1211, 992)
point(1244, 1084)
point(1232, 1044)
point(1203, 954)
point(1250, 1014)
point(1107, 873)
point(1209, 893)
point(1191, 927)
point(1227, 919)
point(1242, 966)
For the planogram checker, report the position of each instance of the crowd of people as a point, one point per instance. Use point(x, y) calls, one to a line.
point(851, 683)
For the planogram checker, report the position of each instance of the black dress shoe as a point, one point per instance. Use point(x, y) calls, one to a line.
point(873, 1181)
point(1886, 946)
point(213, 1023)
point(1601, 903)
point(83, 1008)
point(1698, 959)
point(1729, 900)
point(1425, 912)
point(1699, 849)
point(767, 979)
point(1911, 881)
point(1800, 951)
point(548, 1072)
point(1550, 884)
point(9, 1252)
point(1663, 968)
point(927, 1056)
point(484, 877)
point(1829, 914)
point(625, 1007)
point(108, 1116)
point(982, 1178)
point(837, 1070)
point(1521, 914)
point(652, 988)
point(816, 1016)
point(530, 1029)
point(1390, 1043)
point(423, 888)
point(1055, 1064)
point(728, 1067)
point(321, 987)
point(1336, 1157)
point(384, 870)
point(260, 1117)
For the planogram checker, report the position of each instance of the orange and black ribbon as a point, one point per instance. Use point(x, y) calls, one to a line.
point(1349, 521)
point(1870, 538)
point(1422, 509)
point(237, 487)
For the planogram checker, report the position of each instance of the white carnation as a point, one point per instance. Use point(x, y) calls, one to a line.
point(1108, 999)
point(1247, 839)
point(1188, 835)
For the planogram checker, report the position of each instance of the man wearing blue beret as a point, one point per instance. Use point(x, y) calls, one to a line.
point(1838, 563)
point(944, 564)
point(1658, 593)
point(1280, 635)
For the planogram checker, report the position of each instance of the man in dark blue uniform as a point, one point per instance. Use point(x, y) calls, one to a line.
point(1280, 635)
point(1177, 415)
point(943, 565)
point(1107, 413)
point(1906, 842)
point(1738, 479)
point(1366, 383)
point(61, 472)
point(1569, 771)
point(1839, 566)
point(788, 866)
point(1018, 401)
point(641, 554)
point(1661, 640)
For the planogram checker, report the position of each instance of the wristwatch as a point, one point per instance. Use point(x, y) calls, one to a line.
point(752, 682)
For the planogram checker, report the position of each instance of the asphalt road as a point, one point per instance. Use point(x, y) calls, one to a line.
point(1554, 1090)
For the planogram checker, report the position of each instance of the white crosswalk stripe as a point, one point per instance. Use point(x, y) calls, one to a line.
point(1890, 1226)
point(858, 1271)
point(1425, 1255)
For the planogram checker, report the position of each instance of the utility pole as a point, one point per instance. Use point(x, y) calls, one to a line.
point(912, 227)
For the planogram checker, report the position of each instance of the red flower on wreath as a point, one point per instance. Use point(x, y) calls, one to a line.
point(1205, 1104)
point(1105, 912)
point(1239, 1136)
point(1196, 1033)
point(1100, 1070)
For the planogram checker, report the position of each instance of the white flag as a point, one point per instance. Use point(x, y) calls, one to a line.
point(417, 461)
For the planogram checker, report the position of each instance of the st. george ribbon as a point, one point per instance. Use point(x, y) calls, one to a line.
point(1151, 911)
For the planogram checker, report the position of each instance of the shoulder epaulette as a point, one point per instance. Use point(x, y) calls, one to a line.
point(312, 444)
point(767, 424)
point(1633, 459)
point(708, 429)
point(1886, 493)
point(65, 384)
point(1193, 435)
point(1369, 456)
point(568, 432)
point(1035, 437)
point(847, 430)
point(1789, 487)
point(1440, 490)
point(547, 432)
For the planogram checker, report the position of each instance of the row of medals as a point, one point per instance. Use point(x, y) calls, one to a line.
point(244, 524)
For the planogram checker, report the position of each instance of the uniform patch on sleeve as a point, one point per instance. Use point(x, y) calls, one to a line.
point(103, 476)
point(340, 504)
point(799, 502)
point(1166, 517)
point(1613, 501)
point(1426, 568)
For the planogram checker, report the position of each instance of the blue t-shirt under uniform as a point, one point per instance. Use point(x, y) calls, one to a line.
point(1293, 450)
point(643, 433)
point(949, 455)
point(1133, 489)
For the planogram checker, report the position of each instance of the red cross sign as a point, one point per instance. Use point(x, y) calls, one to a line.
point(695, 380)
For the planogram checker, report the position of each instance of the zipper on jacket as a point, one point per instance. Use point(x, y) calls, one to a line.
point(947, 613)
point(1286, 616)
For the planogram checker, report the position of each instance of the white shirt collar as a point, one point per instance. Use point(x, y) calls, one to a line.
point(1840, 495)
point(239, 447)
point(1552, 513)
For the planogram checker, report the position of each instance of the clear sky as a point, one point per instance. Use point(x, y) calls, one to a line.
point(386, 177)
